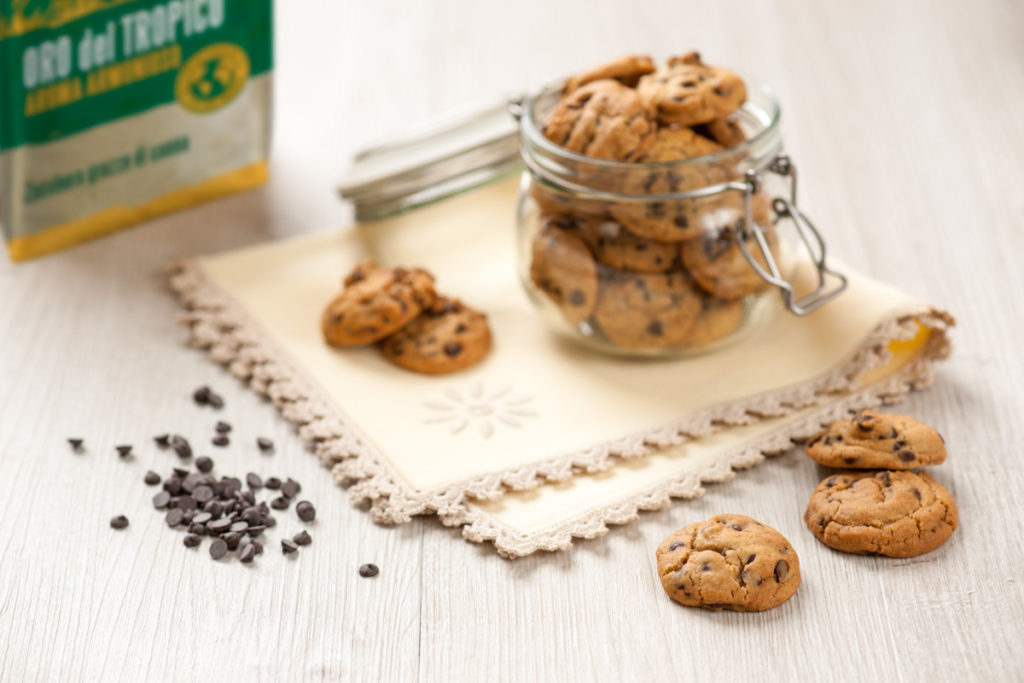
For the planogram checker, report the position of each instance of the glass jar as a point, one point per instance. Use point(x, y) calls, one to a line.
point(664, 257)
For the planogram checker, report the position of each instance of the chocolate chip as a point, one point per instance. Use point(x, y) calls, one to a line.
point(577, 298)
point(272, 483)
point(76, 444)
point(675, 546)
point(162, 441)
point(306, 511)
point(202, 517)
point(302, 538)
point(656, 329)
point(119, 522)
point(204, 463)
point(192, 540)
point(222, 427)
point(850, 459)
point(917, 494)
point(280, 503)
point(898, 445)
point(218, 549)
point(781, 571)
point(196, 528)
point(254, 481)
point(233, 539)
point(248, 553)
point(220, 440)
point(452, 349)
point(368, 571)
point(124, 451)
point(180, 472)
point(885, 478)
point(265, 444)
point(161, 500)
point(240, 526)
point(288, 546)
point(173, 486)
point(894, 433)
point(201, 395)
point(290, 488)
point(828, 440)
point(174, 517)
point(215, 401)
point(181, 446)
point(214, 507)
point(907, 456)
point(151, 478)
point(203, 494)
point(187, 503)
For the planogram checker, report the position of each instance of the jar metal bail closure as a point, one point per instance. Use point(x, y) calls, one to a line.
point(559, 170)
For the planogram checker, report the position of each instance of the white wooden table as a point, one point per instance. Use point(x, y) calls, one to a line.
point(906, 121)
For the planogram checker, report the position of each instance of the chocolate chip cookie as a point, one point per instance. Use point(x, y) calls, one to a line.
point(603, 119)
point(873, 440)
point(446, 337)
point(717, 319)
point(615, 246)
point(898, 514)
point(626, 70)
point(645, 310)
point(725, 131)
point(728, 562)
point(689, 92)
point(563, 268)
point(375, 303)
point(718, 265)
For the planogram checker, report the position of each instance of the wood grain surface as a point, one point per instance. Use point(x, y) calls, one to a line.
point(905, 119)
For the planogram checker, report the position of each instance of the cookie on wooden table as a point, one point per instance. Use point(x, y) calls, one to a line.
point(728, 562)
point(376, 302)
point(447, 337)
point(893, 513)
point(871, 440)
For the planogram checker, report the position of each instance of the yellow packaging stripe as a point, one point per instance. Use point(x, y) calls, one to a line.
point(115, 218)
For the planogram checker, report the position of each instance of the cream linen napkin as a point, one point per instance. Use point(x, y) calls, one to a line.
point(537, 408)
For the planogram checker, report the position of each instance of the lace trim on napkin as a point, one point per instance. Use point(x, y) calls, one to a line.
point(219, 326)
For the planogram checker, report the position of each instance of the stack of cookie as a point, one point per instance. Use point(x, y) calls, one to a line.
point(649, 274)
point(414, 327)
point(882, 507)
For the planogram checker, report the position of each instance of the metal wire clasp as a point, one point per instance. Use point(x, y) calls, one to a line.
point(809, 235)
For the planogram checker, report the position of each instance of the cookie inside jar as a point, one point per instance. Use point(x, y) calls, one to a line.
point(639, 231)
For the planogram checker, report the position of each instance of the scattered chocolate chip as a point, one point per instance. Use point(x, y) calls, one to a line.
point(215, 401)
point(258, 546)
point(254, 481)
point(368, 571)
point(280, 503)
point(203, 494)
point(288, 546)
point(202, 517)
point(174, 517)
point(247, 554)
point(119, 522)
point(180, 472)
point(302, 538)
point(196, 528)
point(222, 427)
point(201, 395)
point(192, 540)
point(151, 478)
point(220, 440)
point(187, 503)
point(265, 444)
point(181, 446)
point(172, 486)
point(251, 516)
point(272, 483)
point(162, 441)
point(218, 549)
point(290, 488)
point(76, 444)
point(306, 511)
point(161, 500)
point(124, 451)
point(204, 464)
point(239, 526)
point(233, 539)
